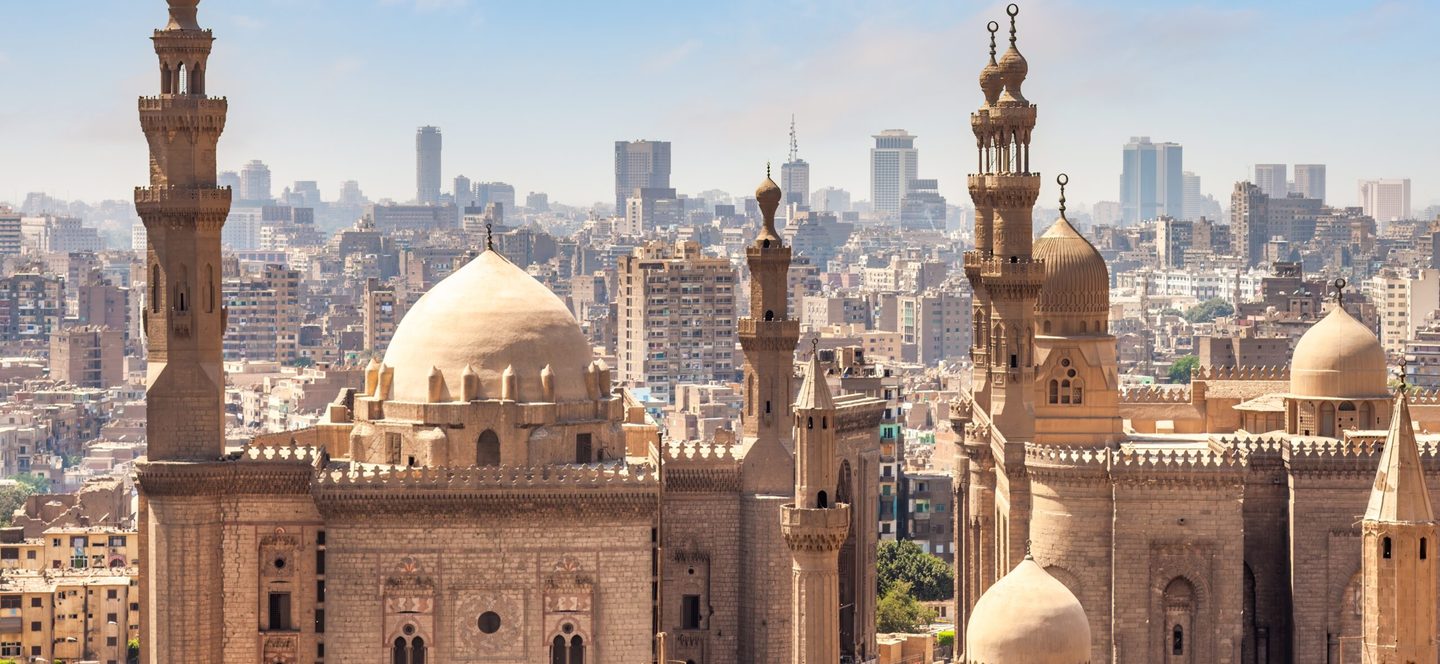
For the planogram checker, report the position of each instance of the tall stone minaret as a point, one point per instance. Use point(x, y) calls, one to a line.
point(183, 211)
point(768, 335)
point(815, 525)
point(1004, 194)
point(1399, 553)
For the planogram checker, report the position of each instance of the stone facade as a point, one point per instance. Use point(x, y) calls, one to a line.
point(486, 495)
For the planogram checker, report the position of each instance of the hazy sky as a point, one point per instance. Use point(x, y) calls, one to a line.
point(534, 93)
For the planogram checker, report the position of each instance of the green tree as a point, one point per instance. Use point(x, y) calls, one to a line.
point(929, 577)
point(12, 497)
point(132, 651)
point(1209, 310)
point(899, 612)
point(1181, 369)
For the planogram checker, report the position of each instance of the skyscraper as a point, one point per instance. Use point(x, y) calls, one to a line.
point(255, 182)
point(427, 165)
point(1249, 221)
point(795, 174)
point(464, 192)
point(894, 162)
point(1386, 200)
point(1271, 180)
point(1193, 199)
point(1152, 180)
point(1310, 181)
point(640, 165)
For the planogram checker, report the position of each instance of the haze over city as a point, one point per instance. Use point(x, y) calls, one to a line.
point(535, 93)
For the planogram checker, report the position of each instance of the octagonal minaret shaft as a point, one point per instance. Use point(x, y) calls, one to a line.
point(768, 335)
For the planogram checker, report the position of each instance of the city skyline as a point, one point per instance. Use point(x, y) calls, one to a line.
point(839, 69)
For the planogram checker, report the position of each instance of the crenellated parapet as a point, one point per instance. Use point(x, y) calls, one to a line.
point(1155, 394)
point(701, 467)
point(1241, 373)
point(491, 490)
point(1168, 466)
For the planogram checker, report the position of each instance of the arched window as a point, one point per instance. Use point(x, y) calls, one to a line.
point(165, 79)
point(1047, 327)
point(822, 500)
point(824, 422)
point(1077, 392)
point(577, 649)
point(1385, 548)
point(417, 651)
point(1179, 600)
point(197, 79)
point(398, 653)
point(809, 423)
point(1327, 419)
point(769, 315)
point(182, 86)
point(209, 288)
point(1065, 391)
point(1177, 641)
point(1422, 548)
point(487, 449)
point(557, 650)
point(1054, 396)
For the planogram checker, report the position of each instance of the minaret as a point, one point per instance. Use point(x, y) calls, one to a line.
point(768, 335)
point(183, 211)
point(814, 525)
point(1399, 558)
point(1004, 194)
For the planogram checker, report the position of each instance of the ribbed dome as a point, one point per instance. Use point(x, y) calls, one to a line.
point(1028, 618)
point(1077, 281)
point(489, 315)
point(1339, 358)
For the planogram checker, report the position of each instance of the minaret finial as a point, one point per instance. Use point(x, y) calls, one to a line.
point(993, 27)
point(767, 170)
point(1062, 179)
point(1339, 285)
point(1013, 10)
point(814, 346)
point(490, 235)
point(1028, 555)
point(1404, 366)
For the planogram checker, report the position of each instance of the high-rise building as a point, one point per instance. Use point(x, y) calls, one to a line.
point(495, 192)
point(650, 208)
point(1194, 199)
point(382, 311)
point(1152, 181)
point(264, 315)
point(894, 163)
point(936, 323)
point(830, 199)
point(1272, 180)
point(427, 165)
point(463, 192)
point(1386, 199)
point(229, 179)
point(795, 174)
point(676, 319)
point(255, 182)
point(9, 231)
point(88, 356)
point(923, 208)
point(1403, 300)
point(1249, 222)
point(640, 164)
point(1310, 181)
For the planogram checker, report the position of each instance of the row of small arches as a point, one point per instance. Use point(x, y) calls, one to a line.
point(183, 79)
point(1387, 548)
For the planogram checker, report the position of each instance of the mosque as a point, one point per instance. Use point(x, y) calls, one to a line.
point(487, 495)
point(1243, 522)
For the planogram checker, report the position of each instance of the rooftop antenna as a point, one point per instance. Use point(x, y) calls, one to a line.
point(793, 148)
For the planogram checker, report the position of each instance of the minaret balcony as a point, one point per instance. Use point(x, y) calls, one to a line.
point(164, 201)
point(755, 328)
point(822, 529)
point(997, 269)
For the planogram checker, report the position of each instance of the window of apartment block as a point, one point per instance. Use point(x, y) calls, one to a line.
point(9, 601)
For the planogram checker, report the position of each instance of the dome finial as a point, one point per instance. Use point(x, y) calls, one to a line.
point(814, 346)
point(1404, 365)
point(1028, 555)
point(490, 236)
point(1062, 179)
point(1339, 285)
point(1013, 10)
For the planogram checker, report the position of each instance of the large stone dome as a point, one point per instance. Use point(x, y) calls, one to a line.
point(1028, 618)
point(489, 315)
point(1077, 281)
point(1339, 358)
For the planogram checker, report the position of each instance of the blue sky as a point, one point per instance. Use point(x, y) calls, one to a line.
point(534, 93)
